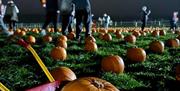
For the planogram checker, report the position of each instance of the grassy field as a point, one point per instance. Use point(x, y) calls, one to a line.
point(19, 70)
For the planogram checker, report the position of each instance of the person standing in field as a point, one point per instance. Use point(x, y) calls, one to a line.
point(174, 20)
point(2, 25)
point(82, 15)
point(51, 7)
point(67, 12)
point(145, 16)
point(106, 21)
point(11, 14)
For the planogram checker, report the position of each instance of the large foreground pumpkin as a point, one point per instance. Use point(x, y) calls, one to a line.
point(157, 46)
point(58, 53)
point(112, 64)
point(89, 84)
point(63, 74)
point(136, 54)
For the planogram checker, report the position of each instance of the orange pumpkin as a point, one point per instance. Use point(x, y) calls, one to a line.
point(120, 36)
point(90, 46)
point(136, 54)
point(177, 32)
point(101, 35)
point(137, 34)
point(130, 39)
point(47, 38)
point(157, 46)
point(155, 33)
point(63, 74)
point(107, 37)
point(90, 38)
point(178, 72)
point(58, 53)
point(89, 84)
point(71, 35)
point(173, 43)
point(22, 33)
point(31, 39)
point(178, 37)
point(62, 37)
point(162, 32)
point(62, 43)
point(112, 63)
point(17, 32)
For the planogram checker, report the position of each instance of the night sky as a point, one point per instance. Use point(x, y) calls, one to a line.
point(117, 9)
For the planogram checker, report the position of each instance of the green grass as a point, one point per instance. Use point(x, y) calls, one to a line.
point(19, 70)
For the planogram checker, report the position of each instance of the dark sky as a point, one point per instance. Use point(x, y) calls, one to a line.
point(117, 9)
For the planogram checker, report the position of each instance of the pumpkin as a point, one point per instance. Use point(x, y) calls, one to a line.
point(157, 46)
point(130, 39)
point(58, 53)
point(107, 37)
point(90, 38)
point(143, 33)
point(177, 32)
point(120, 36)
point(112, 63)
point(47, 38)
point(62, 43)
point(136, 54)
point(178, 72)
point(101, 35)
point(103, 30)
point(137, 34)
point(155, 33)
point(89, 84)
point(173, 43)
point(178, 37)
point(62, 37)
point(90, 46)
point(63, 74)
point(162, 32)
point(71, 35)
point(31, 39)
point(17, 32)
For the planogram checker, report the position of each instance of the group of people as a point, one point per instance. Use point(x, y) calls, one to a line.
point(68, 9)
point(9, 14)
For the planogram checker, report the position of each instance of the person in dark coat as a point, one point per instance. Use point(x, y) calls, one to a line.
point(173, 22)
point(83, 15)
point(145, 16)
point(11, 14)
point(67, 12)
point(51, 15)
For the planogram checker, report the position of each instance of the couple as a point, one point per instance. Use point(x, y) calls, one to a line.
point(81, 8)
point(9, 14)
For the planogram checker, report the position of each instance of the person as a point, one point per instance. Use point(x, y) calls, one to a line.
point(2, 25)
point(11, 14)
point(145, 16)
point(173, 22)
point(83, 15)
point(106, 21)
point(67, 9)
point(51, 15)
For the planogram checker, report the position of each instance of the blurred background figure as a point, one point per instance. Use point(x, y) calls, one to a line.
point(67, 11)
point(11, 14)
point(106, 20)
point(51, 15)
point(2, 25)
point(145, 16)
point(173, 21)
point(83, 15)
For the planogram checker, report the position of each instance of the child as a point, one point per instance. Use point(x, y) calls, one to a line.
point(2, 25)
point(11, 14)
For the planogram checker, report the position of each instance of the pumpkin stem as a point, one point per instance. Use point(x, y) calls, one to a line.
point(98, 84)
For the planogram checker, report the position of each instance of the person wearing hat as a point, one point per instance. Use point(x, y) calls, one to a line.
point(11, 14)
point(67, 12)
point(106, 21)
point(2, 25)
point(82, 15)
point(145, 16)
